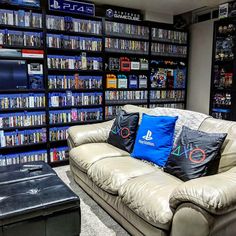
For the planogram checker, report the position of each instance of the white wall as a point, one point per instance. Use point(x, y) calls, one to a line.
point(200, 60)
point(158, 17)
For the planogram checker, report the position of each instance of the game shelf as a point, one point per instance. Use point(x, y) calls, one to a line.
point(223, 87)
point(75, 69)
point(168, 66)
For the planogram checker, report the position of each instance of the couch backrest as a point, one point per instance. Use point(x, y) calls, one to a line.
point(190, 119)
point(202, 122)
point(228, 150)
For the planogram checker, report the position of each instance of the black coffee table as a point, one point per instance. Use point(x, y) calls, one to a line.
point(35, 202)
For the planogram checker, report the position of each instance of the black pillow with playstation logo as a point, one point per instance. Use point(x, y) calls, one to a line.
point(194, 154)
point(123, 131)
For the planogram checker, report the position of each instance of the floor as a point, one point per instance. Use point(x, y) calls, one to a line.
point(95, 221)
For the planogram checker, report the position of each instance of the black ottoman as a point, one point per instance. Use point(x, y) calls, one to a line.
point(35, 202)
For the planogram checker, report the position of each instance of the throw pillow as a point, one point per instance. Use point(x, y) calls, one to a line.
point(154, 139)
point(123, 131)
point(194, 153)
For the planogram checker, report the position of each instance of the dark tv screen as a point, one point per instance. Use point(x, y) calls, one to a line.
point(13, 74)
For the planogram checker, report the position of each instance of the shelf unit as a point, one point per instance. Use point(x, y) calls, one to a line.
point(168, 66)
point(75, 48)
point(28, 145)
point(127, 83)
point(64, 81)
point(223, 86)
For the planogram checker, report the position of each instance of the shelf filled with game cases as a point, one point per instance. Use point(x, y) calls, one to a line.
point(126, 46)
point(169, 36)
point(169, 42)
point(23, 157)
point(80, 70)
point(66, 24)
point(112, 111)
point(126, 30)
point(126, 97)
point(168, 66)
point(58, 154)
point(223, 88)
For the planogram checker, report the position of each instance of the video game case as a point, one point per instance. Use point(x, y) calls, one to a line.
point(21, 158)
point(163, 49)
point(125, 96)
point(58, 133)
point(74, 82)
point(133, 31)
point(74, 99)
point(122, 81)
point(22, 119)
point(6, 17)
point(171, 36)
point(74, 62)
point(59, 154)
point(24, 137)
point(167, 95)
point(73, 24)
point(125, 45)
point(168, 105)
point(32, 39)
point(24, 100)
point(76, 115)
point(112, 111)
point(20, 38)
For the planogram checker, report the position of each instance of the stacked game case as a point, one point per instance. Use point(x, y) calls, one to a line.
point(171, 36)
point(133, 31)
point(20, 18)
point(74, 42)
point(113, 97)
point(162, 49)
point(58, 133)
point(22, 119)
point(74, 62)
point(24, 137)
point(126, 46)
point(20, 38)
point(21, 158)
point(76, 115)
point(74, 82)
point(167, 95)
point(74, 99)
point(23, 100)
point(59, 154)
point(168, 78)
point(73, 25)
point(168, 105)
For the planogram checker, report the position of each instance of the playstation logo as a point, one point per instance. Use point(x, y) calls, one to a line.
point(148, 136)
point(55, 5)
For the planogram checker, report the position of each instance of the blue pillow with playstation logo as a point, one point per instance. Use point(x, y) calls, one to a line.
point(154, 139)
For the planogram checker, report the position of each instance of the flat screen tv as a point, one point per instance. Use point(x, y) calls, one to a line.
point(13, 74)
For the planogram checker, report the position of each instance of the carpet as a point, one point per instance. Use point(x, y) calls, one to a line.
point(94, 220)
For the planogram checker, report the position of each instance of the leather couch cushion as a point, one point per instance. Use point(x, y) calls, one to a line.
point(148, 196)
point(111, 173)
point(86, 155)
point(228, 149)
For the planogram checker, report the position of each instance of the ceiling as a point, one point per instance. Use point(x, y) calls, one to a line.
point(172, 7)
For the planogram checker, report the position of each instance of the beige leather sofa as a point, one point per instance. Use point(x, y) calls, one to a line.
point(144, 199)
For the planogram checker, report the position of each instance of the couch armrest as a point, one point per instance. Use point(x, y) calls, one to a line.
point(216, 194)
point(94, 133)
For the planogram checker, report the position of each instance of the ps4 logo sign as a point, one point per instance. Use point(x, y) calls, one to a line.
point(146, 139)
point(72, 7)
point(148, 136)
